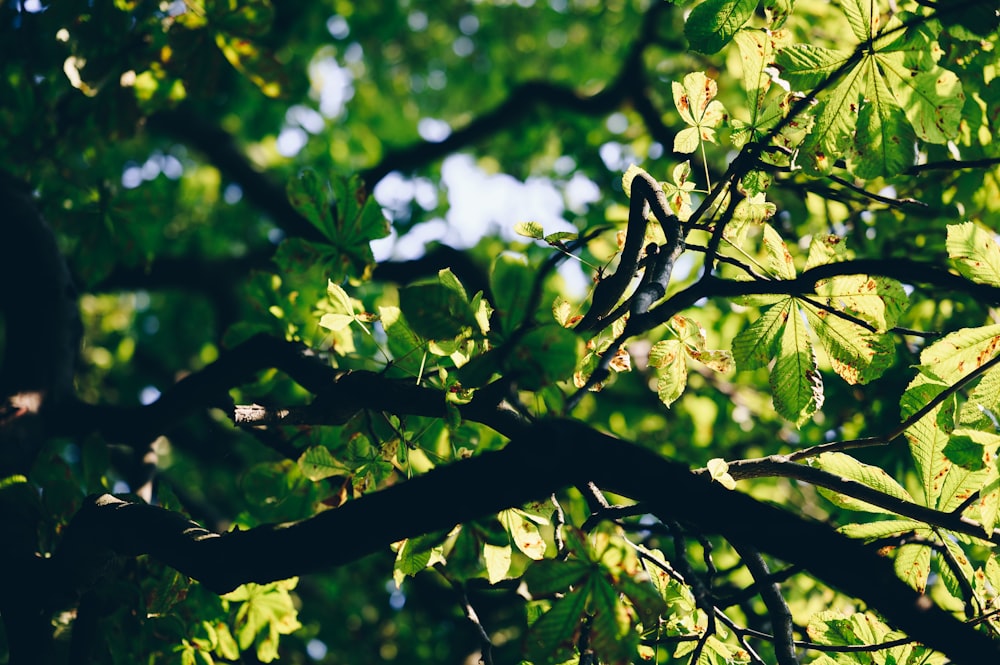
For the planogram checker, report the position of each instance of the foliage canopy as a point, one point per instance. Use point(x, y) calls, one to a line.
point(542, 332)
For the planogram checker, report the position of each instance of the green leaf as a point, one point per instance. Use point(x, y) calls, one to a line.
point(630, 173)
point(754, 209)
point(806, 66)
point(884, 144)
point(545, 355)
point(929, 435)
point(718, 469)
point(343, 310)
point(552, 638)
point(933, 100)
point(913, 565)
point(975, 252)
point(611, 633)
point(265, 608)
point(857, 354)
point(678, 192)
point(756, 345)
point(309, 196)
point(712, 24)
point(859, 16)
point(692, 336)
point(529, 230)
point(411, 558)
point(961, 484)
point(832, 134)
point(435, 311)
point(696, 103)
point(871, 476)
point(511, 281)
point(779, 260)
point(968, 447)
point(964, 569)
point(879, 301)
point(833, 628)
point(667, 356)
point(875, 530)
point(983, 403)
point(358, 221)
point(448, 279)
point(405, 345)
point(317, 463)
point(524, 534)
point(497, 558)
point(825, 248)
point(954, 356)
point(796, 384)
point(756, 54)
point(550, 576)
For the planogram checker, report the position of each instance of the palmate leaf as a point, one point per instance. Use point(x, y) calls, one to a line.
point(894, 94)
point(348, 226)
point(698, 108)
point(678, 192)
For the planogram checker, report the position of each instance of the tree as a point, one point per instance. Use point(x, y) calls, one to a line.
point(725, 391)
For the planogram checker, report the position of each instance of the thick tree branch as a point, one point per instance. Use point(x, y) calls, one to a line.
point(41, 332)
point(542, 457)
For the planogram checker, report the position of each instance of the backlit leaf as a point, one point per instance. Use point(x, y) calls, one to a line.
point(668, 357)
point(757, 344)
point(318, 463)
point(913, 565)
point(975, 252)
point(796, 384)
point(712, 24)
point(929, 435)
point(497, 561)
point(869, 475)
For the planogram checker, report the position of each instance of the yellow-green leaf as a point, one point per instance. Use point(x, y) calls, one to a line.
point(975, 252)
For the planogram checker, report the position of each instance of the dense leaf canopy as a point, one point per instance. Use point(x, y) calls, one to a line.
point(543, 331)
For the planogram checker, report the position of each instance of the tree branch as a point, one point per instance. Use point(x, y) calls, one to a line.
point(543, 457)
